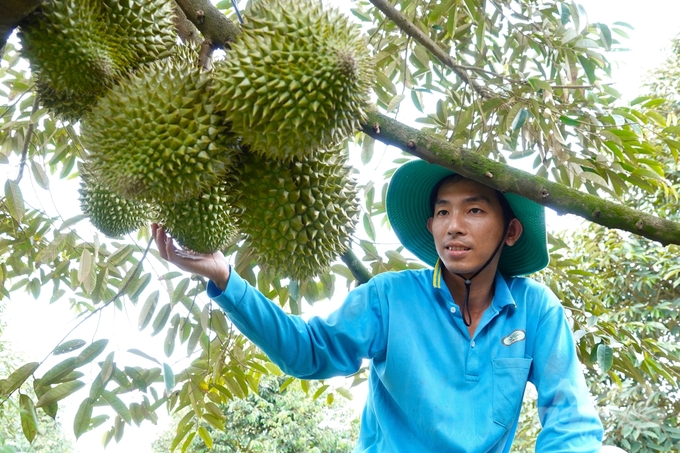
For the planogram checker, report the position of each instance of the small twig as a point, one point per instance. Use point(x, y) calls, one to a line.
point(27, 141)
point(205, 55)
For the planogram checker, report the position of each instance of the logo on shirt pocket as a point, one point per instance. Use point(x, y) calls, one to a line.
point(514, 337)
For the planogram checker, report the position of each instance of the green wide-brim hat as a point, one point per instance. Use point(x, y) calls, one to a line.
point(408, 208)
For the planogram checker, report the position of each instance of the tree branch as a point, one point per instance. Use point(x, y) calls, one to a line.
point(214, 25)
point(507, 179)
point(358, 270)
point(186, 30)
point(13, 12)
point(421, 38)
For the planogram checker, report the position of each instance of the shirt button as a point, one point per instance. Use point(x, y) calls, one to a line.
point(453, 309)
point(472, 343)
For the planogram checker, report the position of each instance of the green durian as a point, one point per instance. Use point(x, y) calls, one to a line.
point(155, 136)
point(298, 79)
point(203, 224)
point(79, 48)
point(298, 216)
point(111, 214)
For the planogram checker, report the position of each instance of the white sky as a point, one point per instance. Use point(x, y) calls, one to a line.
point(35, 327)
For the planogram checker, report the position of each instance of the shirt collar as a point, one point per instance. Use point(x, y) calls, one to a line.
point(502, 295)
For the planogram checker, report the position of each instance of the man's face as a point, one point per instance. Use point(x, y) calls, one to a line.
point(467, 225)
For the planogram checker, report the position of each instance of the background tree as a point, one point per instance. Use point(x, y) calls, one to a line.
point(280, 418)
point(15, 425)
point(492, 82)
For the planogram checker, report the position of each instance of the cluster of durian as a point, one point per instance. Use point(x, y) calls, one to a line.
point(80, 48)
point(250, 150)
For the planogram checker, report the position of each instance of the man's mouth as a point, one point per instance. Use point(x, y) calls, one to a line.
point(457, 249)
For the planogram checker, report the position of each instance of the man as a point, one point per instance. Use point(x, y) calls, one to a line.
point(451, 348)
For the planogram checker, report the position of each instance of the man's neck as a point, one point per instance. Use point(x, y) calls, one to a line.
point(481, 293)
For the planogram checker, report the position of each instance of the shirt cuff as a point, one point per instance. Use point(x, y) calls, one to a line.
point(232, 295)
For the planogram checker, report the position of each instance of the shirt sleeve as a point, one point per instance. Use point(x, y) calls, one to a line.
point(316, 349)
point(568, 416)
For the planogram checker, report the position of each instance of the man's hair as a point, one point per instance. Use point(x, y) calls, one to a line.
point(508, 214)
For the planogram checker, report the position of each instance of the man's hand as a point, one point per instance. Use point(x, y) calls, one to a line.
point(213, 266)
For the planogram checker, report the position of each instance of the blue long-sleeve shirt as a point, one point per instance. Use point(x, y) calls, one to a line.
point(432, 388)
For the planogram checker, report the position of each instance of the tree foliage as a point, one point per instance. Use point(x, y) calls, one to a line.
point(507, 80)
point(280, 418)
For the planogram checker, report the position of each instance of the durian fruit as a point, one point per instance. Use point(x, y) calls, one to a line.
point(109, 213)
point(155, 136)
point(203, 224)
point(297, 216)
point(297, 79)
point(78, 48)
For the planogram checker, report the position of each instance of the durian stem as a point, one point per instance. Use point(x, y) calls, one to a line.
point(186, 30)
point(358, 270)
point(214, 25)
point(500, 176)
point(13, 12)
point(205, 55)
point(440, 54)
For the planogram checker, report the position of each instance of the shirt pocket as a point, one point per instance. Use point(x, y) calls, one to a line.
point(509, 381)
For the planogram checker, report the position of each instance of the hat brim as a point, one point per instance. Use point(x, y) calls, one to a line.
point(408, 209)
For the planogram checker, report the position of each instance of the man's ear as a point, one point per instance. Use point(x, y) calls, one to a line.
point(515, 230)
point(429, 224)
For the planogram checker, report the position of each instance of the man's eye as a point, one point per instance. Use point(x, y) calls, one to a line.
point(442, 212)
point(475, 210)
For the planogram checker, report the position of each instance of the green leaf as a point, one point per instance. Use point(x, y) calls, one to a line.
point(81, 423)
point(161, 319)
point(69, 346)
point(143, 354)
point(180, 291)
point(394, 103)
point(367, 149)
point(168, 378)
point(107, 367)
point(14, 200)
point(59, 392)
point(18, 377)
point(205, 435)
point(29, 419)
point(118, 406)
point(605, 357)
point(85, 267)
point(40, 176)
point(58, 371)
point(146, 313)
point(91, 352)
point(136, 286)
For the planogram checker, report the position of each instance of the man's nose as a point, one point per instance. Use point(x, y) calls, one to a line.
point(456, 224)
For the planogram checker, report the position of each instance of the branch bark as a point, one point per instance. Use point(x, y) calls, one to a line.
point(507, 179)
point(13, 12)
point(214, 25)
point(358, 270)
